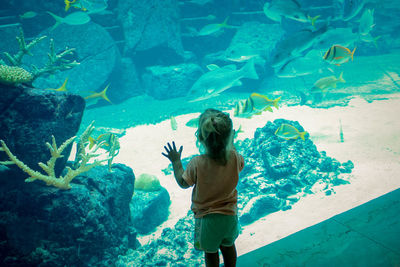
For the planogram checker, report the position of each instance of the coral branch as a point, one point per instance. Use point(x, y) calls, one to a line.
point(56, 61)
point(24, 49)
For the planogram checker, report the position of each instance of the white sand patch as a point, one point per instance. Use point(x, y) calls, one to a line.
point(371, 141)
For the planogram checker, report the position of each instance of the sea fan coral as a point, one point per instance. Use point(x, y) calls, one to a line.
point(14, 75)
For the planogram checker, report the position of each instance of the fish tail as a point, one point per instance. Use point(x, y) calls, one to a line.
point(302, 135)
point(104, 95)
point(352, 53)
point(58, 20)
point(249, 71)
point(63, 86)
point(91, 142)
point(313, 19)
point(275, 103)
point(340, 79)
point(224, 24)
point(375, 39)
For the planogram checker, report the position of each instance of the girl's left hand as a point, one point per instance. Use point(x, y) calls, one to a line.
point(172, 153)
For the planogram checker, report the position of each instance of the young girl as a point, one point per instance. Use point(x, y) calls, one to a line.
point(214, 176)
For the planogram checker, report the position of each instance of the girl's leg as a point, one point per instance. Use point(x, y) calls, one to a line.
point(229, 255)
point(212, 259)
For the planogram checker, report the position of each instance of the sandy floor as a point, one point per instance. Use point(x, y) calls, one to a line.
point(371, 140)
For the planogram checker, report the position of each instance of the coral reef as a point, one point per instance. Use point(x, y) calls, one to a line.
point(10, 75)
point(62, 182)
point(15, 74)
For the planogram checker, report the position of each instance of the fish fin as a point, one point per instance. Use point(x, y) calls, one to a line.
point(340, 79)
point(104, 95)
point(58, 20)
point(337, 57)
point(224, 24)
point(313, 19)
point(249, 71)
point(212, 67)
point(268, 108)
point(352, 53)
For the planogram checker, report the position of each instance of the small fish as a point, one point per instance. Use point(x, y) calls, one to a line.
point(341, 36)
point(76, 18)
point(370, 39)
point(237, 132)
point(99, 95)
point(174, 124)
point(328, 82)
point(68, 4)
point(287, 132)
point(28, 15)
point(290, 9)
point(366, 22)
point(311, 63)
point(240, 52)
point(194, 123)
point(107, 141)
point(254, 105)
point(62, 88)
point(213, 28)
point(338, 54)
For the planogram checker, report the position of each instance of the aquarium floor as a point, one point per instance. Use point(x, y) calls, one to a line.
point(367, 235)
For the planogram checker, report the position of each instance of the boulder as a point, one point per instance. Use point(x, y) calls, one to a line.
point(150, 24)
point(86, 225)
point(95, 50)
point(170, 81)
point(28, 119)
point(149, 209)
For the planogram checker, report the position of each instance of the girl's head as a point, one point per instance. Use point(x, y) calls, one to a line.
point(215, 133)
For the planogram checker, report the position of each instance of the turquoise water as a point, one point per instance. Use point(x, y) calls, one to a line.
point(142, 72)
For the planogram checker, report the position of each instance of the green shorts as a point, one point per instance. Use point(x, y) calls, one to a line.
point(215, 230)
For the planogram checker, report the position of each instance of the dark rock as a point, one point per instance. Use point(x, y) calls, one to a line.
point(149, 209)
point(86, 225)
point(170, 82)
point(28, 119)
point(150, 24)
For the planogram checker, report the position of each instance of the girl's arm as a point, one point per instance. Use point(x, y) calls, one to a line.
point(175, 157)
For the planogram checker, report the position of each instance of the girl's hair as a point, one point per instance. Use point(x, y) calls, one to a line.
point(215, 134)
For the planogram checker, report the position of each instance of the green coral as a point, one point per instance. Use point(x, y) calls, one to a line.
point(147, 182)
point(14, 75)
point(55, 62)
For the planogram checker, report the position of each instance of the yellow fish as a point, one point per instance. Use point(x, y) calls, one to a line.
point(62, 88)
point(328, 82)
point(107, 140)
point(102, 95)
point(68, 4)
point(287, 132)
point(254, 105)
point(338, 54)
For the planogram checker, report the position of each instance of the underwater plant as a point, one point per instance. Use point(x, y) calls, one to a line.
point(13, 73)
point(62, 182)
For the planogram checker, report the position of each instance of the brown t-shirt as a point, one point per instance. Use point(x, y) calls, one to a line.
point(214, 184)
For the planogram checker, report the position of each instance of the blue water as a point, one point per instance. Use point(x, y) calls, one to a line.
point(158, 60)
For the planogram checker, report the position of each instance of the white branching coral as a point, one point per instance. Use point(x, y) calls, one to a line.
point(62, 182)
